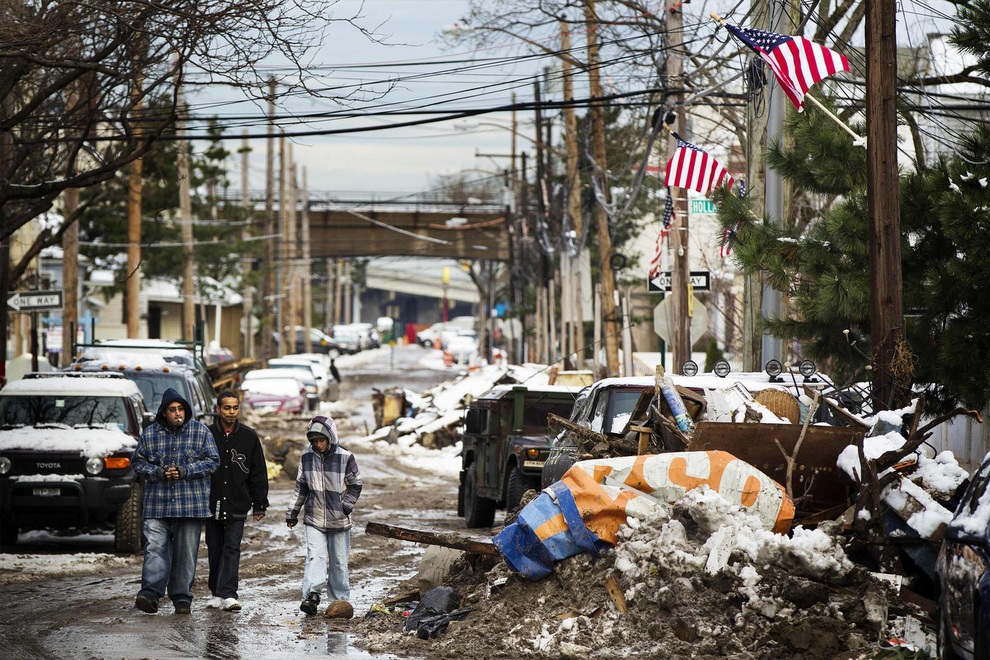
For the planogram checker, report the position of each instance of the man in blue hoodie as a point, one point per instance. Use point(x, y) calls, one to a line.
point(174, 459)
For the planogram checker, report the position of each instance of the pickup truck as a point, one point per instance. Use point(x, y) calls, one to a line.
point(506, 440)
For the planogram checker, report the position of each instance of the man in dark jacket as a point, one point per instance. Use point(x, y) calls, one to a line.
point(238, 485)
point(174, 459)
point(328, 484)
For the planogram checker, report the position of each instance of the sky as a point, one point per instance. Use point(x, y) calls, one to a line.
point(409, 44)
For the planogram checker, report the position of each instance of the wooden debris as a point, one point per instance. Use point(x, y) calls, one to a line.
point(445, 539)
point(612, 587)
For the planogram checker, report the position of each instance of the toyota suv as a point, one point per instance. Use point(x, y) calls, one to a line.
point(66, 443)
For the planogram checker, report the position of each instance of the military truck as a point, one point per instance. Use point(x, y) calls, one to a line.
point(505, 443)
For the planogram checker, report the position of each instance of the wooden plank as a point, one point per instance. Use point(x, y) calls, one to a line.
point(445, 539)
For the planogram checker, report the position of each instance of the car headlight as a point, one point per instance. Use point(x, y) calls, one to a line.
point(722, 368)
point(774, 368)
point(4, 465)
point(689, 368)
point(94, 465)
point(311, 389)
point(807, 368)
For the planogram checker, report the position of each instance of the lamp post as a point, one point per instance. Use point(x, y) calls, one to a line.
point(444, 281)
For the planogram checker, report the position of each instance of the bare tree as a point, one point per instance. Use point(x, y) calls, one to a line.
point(78, 77)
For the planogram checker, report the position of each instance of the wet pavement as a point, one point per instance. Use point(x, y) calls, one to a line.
point(81, 604)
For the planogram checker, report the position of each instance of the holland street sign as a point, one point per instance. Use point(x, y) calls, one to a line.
point(34, 301)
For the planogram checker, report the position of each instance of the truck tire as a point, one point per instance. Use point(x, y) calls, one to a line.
point(128, 535)
point(478, 511)
point(517, 485)
point(8, 532)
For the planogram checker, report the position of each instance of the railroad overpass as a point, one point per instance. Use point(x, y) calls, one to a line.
point(414, 229)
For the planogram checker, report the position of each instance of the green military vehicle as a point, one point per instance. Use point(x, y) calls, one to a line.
point(505, 443)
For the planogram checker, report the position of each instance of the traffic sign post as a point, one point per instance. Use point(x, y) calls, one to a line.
point(700, 281)
point(34, 301)
point(663, 320)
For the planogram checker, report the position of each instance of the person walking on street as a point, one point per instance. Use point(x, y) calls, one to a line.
point(240, 484)
point(328, 484)
point(174, 460)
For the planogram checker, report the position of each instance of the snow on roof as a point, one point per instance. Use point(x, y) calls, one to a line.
point(88, 442)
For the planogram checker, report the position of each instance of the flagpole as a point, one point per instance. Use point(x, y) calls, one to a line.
point(858, 140)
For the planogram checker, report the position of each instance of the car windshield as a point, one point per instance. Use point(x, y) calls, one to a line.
point(535, 414)
point(69, 410)
point(153, 385)
point(277, 386)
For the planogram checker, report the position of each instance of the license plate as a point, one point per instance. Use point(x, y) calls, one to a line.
point(47, 492)
point(533, 464)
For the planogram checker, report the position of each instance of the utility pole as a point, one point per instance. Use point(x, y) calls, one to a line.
point(886, 312)
point(133, 288)
point(307, 298)
point(283, 263)
point(680, 339)
point(573, 275)
point(247, 293)
point(185, 217)
point(610, 317)
point(268, 255)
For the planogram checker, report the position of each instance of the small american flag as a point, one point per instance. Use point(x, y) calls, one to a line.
point(668, 220)
point(692, 168)
point(797, 62)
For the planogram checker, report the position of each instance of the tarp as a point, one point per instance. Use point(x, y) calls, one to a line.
point(584, 510)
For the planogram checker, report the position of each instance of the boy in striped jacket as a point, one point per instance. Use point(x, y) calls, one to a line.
point(328, 484)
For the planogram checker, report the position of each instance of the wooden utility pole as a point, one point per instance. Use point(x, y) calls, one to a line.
point(886, 312)
point(185, 217)
point(70, 273)
point(680, 339)
point(307, 295)
point(610, 316)
point(573, 276)
point(268, 257)
point(247, 293)
point(281, 289)
point(133, 288)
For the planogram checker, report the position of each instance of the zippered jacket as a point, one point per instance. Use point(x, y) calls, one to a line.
point(191, 449)
point(241, 481)
point(328, 485)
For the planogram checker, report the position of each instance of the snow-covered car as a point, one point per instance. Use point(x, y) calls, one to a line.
point(963, 574)
point(326, 386)
point(463, 347)
point(430, 337)
point(303, 375)
point(66, 444)
point(281, 395)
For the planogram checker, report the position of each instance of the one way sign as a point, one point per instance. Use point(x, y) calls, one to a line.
point(700, 281)
point(34, 301)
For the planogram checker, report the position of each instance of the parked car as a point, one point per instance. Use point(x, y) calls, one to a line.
point(283, 395)
point(305, 378)
point(320, 342)
point(430, 337)
point(347, 339)
point(66, 444)
point(962, 573)
point(308, 369)
point(505, 441)
point(463, 346)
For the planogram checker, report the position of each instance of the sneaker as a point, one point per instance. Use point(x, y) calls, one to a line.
point(183, 607)
point(311, 604)
point(231, 605)
point(215, 602)
point(146, 604)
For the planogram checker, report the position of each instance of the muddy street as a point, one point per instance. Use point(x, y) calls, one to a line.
point(72, 597)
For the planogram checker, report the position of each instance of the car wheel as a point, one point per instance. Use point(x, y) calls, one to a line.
point(478, 511)
point(334, 352)
point(128, 535)
point(8, 532)
point(517, 485)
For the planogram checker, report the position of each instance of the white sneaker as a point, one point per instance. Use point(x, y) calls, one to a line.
point(231, 605)
point(215, 602)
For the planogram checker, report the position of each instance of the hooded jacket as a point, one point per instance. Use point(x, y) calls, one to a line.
point(328, 484)
point(191, 449)
point(241, 481)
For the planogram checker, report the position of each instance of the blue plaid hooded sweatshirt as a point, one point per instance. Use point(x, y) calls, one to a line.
point(192, 449)
point(328, 484)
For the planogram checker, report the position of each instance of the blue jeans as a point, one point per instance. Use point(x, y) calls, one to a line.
point(223, 545)
point(170, 558)
point(323, 550)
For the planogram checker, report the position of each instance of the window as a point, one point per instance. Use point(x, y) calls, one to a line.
point(69, 410)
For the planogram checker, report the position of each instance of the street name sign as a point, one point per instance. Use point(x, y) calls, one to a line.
point(700, 281)
point(34, 301)
point(702, 207)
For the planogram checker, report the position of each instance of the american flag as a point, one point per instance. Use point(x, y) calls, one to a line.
point(692, 168)
point(797, 62)
point(668, 220)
